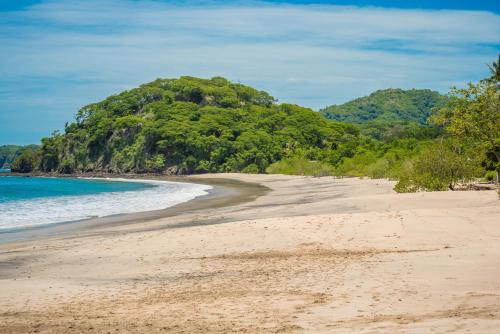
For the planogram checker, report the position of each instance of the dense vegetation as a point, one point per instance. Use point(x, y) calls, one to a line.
point(424, 140)
point(394, 126)
point(391, 114)
point(470, 146)
point(8, 153)
point(190, 125)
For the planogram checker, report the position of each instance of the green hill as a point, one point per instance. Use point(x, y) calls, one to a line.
point(391, 113)
point(188, 125)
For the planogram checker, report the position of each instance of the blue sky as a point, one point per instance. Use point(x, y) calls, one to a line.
point(58, 55)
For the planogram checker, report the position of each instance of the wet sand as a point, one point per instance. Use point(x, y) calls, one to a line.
point(224, 192)
point(295, 254)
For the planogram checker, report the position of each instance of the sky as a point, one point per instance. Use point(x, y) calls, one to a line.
point(59, 55)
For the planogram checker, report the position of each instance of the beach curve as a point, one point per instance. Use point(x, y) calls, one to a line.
point(309, 255)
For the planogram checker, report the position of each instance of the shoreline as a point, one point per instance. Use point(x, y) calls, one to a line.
point(224, 192)
point(306, 255)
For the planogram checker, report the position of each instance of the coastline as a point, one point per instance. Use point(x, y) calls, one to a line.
point(224, 192)
point(305, 255)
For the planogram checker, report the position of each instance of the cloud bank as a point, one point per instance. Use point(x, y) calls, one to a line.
point(59, 55)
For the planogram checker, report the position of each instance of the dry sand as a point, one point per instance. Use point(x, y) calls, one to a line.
point(310, 255)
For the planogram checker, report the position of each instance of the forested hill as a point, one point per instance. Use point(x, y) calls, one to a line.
point(189, 125)
point(389, 112)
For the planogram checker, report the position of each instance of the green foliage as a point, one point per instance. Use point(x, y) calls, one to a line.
point(400, 135)
point(471, 118)
point(67, 166)
point(49, 153)
point(390, 114)
point(156, 163)
point(8, 153)
point(495, 71)
point(440, 167)
point(379, 160)
point(490, 176)
point(251, 169)
point(192, 125)
point(300, 166)
point(26, 162)
point(473, 115)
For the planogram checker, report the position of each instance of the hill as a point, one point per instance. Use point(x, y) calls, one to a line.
point(188, 125)
point(390, 114)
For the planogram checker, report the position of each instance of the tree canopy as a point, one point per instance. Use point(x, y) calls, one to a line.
point(471, 120)
point(391, 113)
point(425, 140)
point(189, 125)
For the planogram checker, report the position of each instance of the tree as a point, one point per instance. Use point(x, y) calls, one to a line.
point(26, 162)
point(440, 167)
point(189, 125)
point(473, 115)
point(495, 71)
point(390, 114)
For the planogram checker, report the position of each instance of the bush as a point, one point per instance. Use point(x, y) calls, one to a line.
point(251, 169)
point(378, 170)
point(440, 167)
point(406, 185)
point(298, 166)
point(490, 176)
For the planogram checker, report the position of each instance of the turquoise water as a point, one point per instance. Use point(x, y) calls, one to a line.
point(3, 170)
point(29, 201)
point(13, 188)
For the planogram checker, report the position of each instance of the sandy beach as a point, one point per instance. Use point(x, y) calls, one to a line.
point(277, 254)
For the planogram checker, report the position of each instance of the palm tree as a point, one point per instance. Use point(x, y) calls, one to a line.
point(495, 70)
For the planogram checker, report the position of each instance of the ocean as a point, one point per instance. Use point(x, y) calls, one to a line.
point(30, 201)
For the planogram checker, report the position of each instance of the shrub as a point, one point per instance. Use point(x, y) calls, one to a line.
point(490, 176)
point(251, 169)
point(378, 170)
point(440, 167)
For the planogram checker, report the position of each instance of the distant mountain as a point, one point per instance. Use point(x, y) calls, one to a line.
point(389, 113)
point(8, 153)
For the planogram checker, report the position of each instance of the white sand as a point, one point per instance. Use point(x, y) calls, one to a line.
point(312, 255)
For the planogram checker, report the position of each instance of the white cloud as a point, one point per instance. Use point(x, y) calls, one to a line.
point(310, 55)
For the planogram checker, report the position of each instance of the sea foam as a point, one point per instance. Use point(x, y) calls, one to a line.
point(42, 211)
